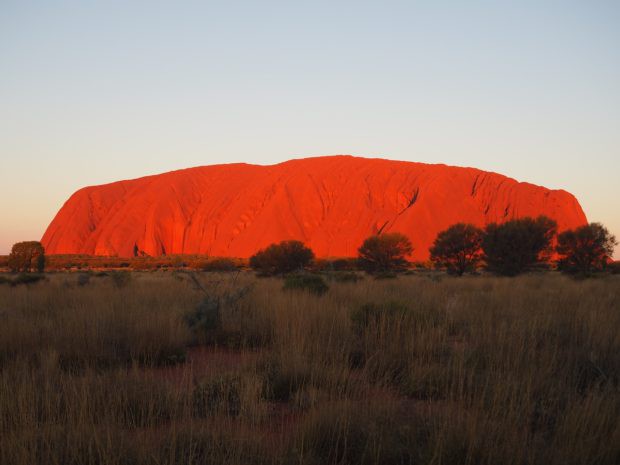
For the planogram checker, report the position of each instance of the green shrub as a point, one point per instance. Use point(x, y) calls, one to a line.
point(27, 256)
point(585, 250)
point(384, 252)
point(518, 245)
point(206, 318)
point(457, 248)
point(312, 283)
point(285, 257)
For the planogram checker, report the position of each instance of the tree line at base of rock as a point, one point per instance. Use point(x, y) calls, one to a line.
point(507, 249)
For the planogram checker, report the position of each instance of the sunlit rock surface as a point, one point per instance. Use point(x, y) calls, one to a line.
point(331, 203)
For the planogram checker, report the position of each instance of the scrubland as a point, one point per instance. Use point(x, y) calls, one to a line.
point(228, 368)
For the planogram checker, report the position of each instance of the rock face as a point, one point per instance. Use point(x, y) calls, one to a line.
point(330, 203)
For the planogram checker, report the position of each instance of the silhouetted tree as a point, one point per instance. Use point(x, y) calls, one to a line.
point(515, 246)
point(285, 257)
point(27, 256)
point(384, 252)
point(458, 248)
point(586, 249)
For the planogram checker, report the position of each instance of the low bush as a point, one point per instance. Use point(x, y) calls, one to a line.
point(518, 245)
point(384, 252)
point(458, 248)
point(205, 319)
point(27, 256)
point(586, 249)
point(312, 283)
point(285, 257)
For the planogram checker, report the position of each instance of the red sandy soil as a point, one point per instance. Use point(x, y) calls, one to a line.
point(330, 203)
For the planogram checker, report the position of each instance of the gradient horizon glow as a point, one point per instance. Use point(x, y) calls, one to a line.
point(95, 92)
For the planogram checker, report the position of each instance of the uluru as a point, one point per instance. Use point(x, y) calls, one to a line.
point(331, 203)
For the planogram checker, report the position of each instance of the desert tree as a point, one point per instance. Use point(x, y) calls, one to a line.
point(384, 252)
point(458, 248)
point(285, 257)
point(586, 249)
point(518, 245)
point(27, 256)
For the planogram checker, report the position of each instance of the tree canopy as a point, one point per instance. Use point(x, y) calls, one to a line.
point(586, 249)
point(517, 245)
point(384, 252)
point(285, 257)
point(458, 248)
point(27, 256)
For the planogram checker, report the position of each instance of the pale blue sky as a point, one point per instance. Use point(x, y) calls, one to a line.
point(97, 91)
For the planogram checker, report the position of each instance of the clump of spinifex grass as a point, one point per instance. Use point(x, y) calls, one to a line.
point(478, 370)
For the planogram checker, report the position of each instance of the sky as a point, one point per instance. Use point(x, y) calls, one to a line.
point(97, 91)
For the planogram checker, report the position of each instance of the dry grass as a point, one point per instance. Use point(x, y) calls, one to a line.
point(477, 370)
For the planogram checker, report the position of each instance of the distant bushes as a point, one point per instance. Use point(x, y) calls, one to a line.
point(384, 252)
point(458, 248)
point(285, 257)
point(585, 250)
point(142, 263)
point(27, 256)
point(524, 244)
point(205, 319)
point(509, 248)
point(518, 245)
